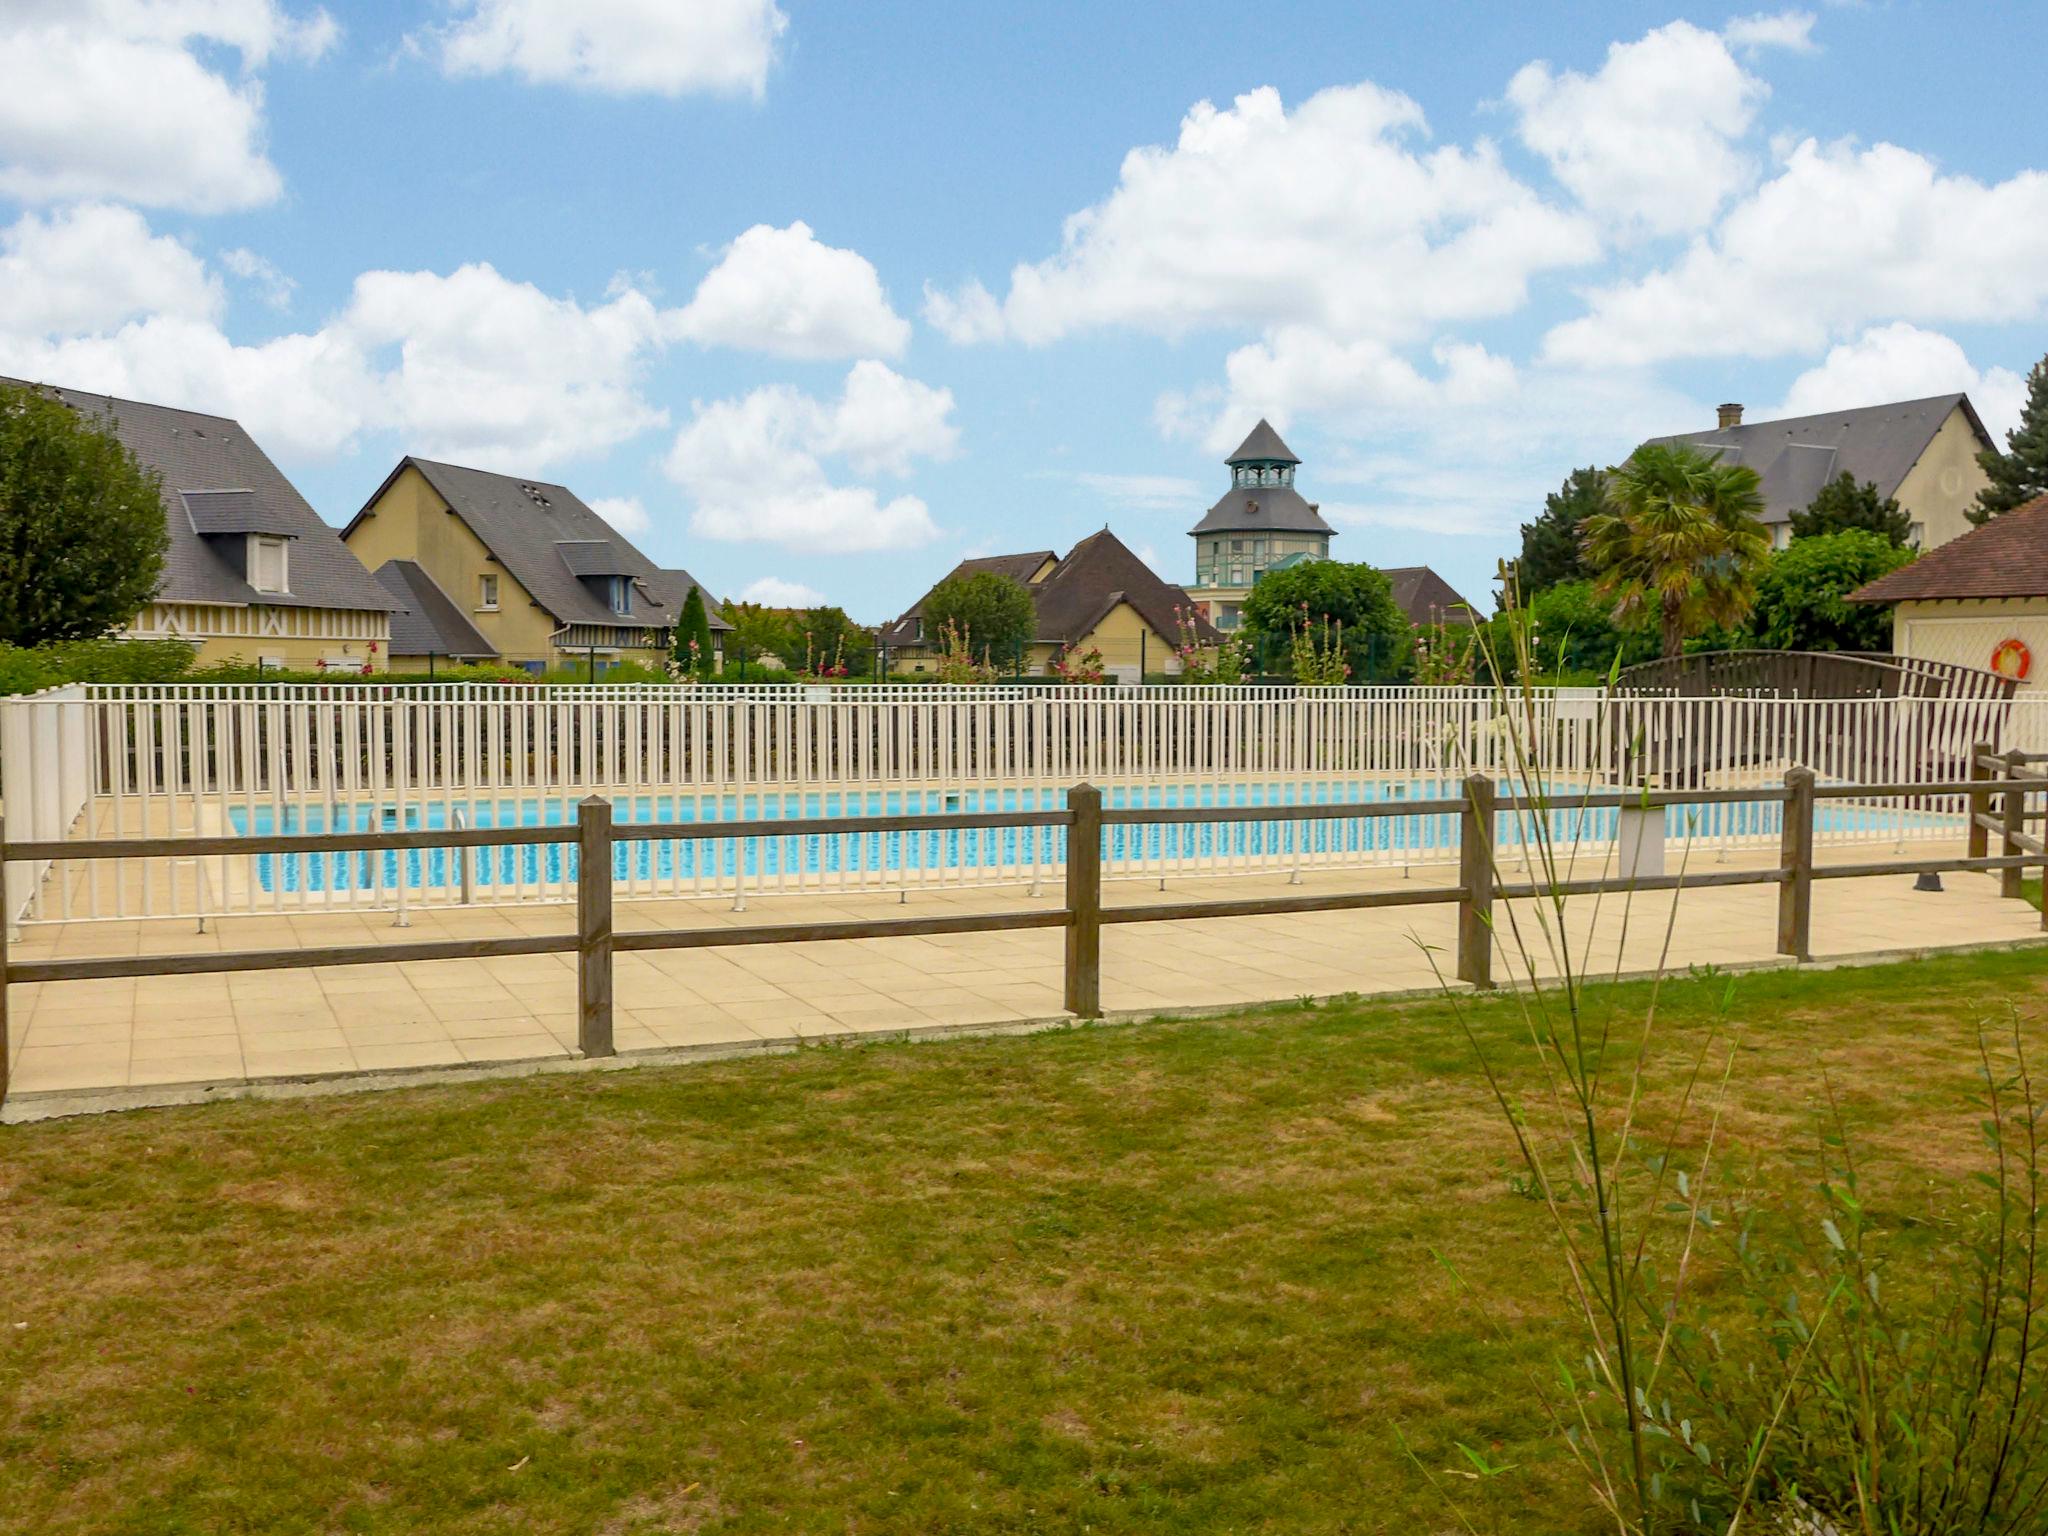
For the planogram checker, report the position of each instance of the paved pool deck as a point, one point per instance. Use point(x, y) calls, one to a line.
point(86, 1045)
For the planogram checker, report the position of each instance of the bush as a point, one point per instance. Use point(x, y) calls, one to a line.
point(27, 669)
point(1802, 596)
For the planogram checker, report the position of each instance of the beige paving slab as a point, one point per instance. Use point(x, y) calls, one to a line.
point(73, 1036)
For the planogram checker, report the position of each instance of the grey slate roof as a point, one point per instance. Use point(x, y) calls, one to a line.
point(218, 512)
point(428, 623)
point(1262, 509)
point(1427, 598)
point(541, 533)
point(1264, 446)
point(196, 452)
point(593, 557)
point(1795, 457)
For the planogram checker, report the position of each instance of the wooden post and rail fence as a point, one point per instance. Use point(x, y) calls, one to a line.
point(2004, 781)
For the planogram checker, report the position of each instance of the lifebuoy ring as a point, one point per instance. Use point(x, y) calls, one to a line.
point(2011, 658)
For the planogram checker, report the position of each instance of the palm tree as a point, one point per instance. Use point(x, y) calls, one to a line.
point(1678, 541)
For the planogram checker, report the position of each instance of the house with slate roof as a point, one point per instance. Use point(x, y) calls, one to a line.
point(530, 570)
point(1101, 595)
point(251, 572)
point(1922, 453)
point(1978, 601)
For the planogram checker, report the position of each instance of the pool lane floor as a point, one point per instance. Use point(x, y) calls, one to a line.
point(84, 1045)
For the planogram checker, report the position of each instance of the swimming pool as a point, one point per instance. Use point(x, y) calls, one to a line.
point(888, 858)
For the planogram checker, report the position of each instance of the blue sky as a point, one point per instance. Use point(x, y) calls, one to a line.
point(833, 295)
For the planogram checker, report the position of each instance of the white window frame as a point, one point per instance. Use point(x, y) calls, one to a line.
point(487, 592)
point(622, 596)
point(258, 543)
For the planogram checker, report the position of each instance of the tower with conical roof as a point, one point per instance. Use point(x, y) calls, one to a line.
point(1261, 523)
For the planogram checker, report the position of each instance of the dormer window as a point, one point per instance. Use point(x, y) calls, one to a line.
point(622, 595)
point(268, 565)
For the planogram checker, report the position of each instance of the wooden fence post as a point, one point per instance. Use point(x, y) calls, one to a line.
point(1795, 858)
point(1084, 902)
point(6, 918)
point(594, 926)
point(1980, 804)
point(1475, 876)
point(2015, 818)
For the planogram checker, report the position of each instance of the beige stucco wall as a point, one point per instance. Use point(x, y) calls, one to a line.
point(409, 521)
point(1940, 488)
point(1967, 631)
point(298, 655)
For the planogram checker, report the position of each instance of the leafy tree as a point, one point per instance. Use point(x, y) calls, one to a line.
point(82, 535)
point(758, 630)
point(1678, 545)
point(1551, 547)
point(830, 639)
point(993, 611)
point(2020, 473)
point(1801, 597)
point(1377, 637)
point(693, 625)
point(1842, 503)
point(1573, 634)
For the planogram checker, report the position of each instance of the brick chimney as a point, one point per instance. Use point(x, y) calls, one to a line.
point(1730, 414)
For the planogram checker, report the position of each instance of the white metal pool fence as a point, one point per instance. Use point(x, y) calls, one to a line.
point(98, 761)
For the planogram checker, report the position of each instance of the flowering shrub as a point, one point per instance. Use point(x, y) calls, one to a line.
point(816, 668)
point(688, 665)
point(1316, 659)
point(1082, 667)
point(1446, 655)
point(956, 658)
point(1201, 663)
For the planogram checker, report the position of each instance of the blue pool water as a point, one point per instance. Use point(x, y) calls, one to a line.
point(912, 853)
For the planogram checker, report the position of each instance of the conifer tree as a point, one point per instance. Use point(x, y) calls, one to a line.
point(2020, 473)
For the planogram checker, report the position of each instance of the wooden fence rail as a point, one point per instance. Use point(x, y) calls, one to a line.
point(596, 942)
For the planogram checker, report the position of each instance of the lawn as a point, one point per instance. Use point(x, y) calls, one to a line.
point(1171, 1277)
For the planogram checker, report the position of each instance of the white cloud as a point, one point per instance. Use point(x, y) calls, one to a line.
point(1903, 362)
point(782, 291)
point(498, 373)
point(120, 99)
point(968, 314)
point(624, 513)
point(1789, 30)
point(297, 395)
point(1838, 239)
point(1649, 144)
point(261, 273)
point(1297, 370)
point(1331, 215)
point(774, 592)
point(755, 465)
point(1145, 493)
point(625, 47)
point(471, 365)
point(91, 267)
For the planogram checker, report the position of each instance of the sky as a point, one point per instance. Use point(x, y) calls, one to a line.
point(815, 300)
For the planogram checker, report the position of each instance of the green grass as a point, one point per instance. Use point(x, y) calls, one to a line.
point(1162, 1278)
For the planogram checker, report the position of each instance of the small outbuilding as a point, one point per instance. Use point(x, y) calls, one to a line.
point(1978, 601)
